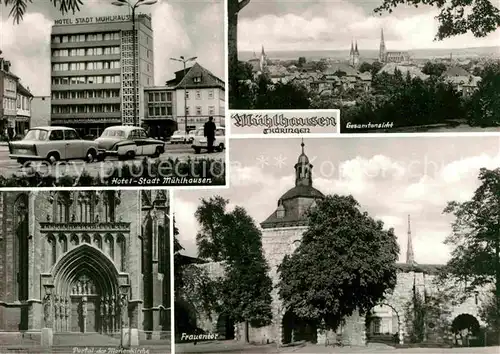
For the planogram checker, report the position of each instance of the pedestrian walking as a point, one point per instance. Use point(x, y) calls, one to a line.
point(209, 133)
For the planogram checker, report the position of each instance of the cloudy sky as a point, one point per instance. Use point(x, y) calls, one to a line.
point(390, 177)
point(192, 28)
point(332, 24)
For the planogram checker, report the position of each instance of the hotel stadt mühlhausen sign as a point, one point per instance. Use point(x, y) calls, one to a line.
point(97, 19)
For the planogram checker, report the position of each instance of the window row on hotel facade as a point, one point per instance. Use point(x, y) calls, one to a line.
point(85, 94)
point(85, 108)
point(82, 52)
point(79, 80)
point(88, 37)
point(89, 65)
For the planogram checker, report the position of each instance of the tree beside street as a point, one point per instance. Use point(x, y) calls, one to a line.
point(475, 237)
point(18, 8)
point(346, 262)
point(457, 17)
point(233, 239)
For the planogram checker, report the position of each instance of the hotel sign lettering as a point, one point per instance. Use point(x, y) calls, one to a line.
point(97, 19)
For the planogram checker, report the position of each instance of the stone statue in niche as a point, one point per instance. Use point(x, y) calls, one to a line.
point(62, 308)
point(124, 308)
point(67, 308)
point(73, 290)
point(79, 288)
point(47, 302)
point(56, 306)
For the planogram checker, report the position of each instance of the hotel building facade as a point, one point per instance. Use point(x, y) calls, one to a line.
point(92, 83)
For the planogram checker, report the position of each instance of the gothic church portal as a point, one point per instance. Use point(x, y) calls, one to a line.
point(85, 262)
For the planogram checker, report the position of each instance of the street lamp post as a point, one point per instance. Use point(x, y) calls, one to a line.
point(134, 55)
point(183, 60)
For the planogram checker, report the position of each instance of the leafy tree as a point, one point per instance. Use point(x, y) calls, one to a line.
point(280, 95)
point(434, 69)
point(234, 239)
point(345, 263)
point(476, 237)
point(376, 66)
point(211, 216)
point(484, 106)
point(301, 62)
point(192, 284)
point(320, 66)
point(340, 73)
point(489, 312)
point(481, 17)
point(415, 317)
point(18, 8)
point(365, 67)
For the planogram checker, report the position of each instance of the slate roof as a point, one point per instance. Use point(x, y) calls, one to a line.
point(208, 80)
point(23, 91)
point(456, 71)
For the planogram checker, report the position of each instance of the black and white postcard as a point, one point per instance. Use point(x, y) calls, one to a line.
point(389, 66)
point(81, 107)
point(345, 245)
point(85, 272)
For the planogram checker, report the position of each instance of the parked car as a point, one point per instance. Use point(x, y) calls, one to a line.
point(179, 137)
point(200, 142)
point(52, 144)
point(191, 135)
point(126, 142)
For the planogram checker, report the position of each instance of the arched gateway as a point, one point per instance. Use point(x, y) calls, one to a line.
point(86, 294)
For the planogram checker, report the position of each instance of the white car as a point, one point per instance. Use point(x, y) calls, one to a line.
point(191, 135)
point(200, 141)
point(179, 137)
point(52, 144)
point(126, 142)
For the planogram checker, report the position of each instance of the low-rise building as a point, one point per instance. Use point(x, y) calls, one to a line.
point(8, 98)
point(23, 112)
point(463, 81)
point(160, 114)
point(204, 97)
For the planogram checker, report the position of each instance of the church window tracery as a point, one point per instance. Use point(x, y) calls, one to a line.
point(97, 241)
point(109, 247)
point(51, 250)
point(162, 250)
point(86, 238)
point(74, 240)
point(63, 242)
point(21, 246)
point(122, 249)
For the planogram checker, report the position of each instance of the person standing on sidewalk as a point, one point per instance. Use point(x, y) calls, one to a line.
point(209, 133)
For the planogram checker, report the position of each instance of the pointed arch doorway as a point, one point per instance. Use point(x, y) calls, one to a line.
point(86, 292)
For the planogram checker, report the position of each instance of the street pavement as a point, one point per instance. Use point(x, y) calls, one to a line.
point(235, 347)
point(8, 167)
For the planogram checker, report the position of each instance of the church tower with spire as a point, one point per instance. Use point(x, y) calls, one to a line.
point(293, 205)
point(354, 55)
point(410, 257)
point(383, 50)
point(263, 60)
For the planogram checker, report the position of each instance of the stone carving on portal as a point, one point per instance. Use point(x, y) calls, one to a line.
point(109, 313)
point(83, 286)
point(47, 310)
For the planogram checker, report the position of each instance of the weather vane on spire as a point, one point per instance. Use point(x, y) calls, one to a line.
point(302, 144)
